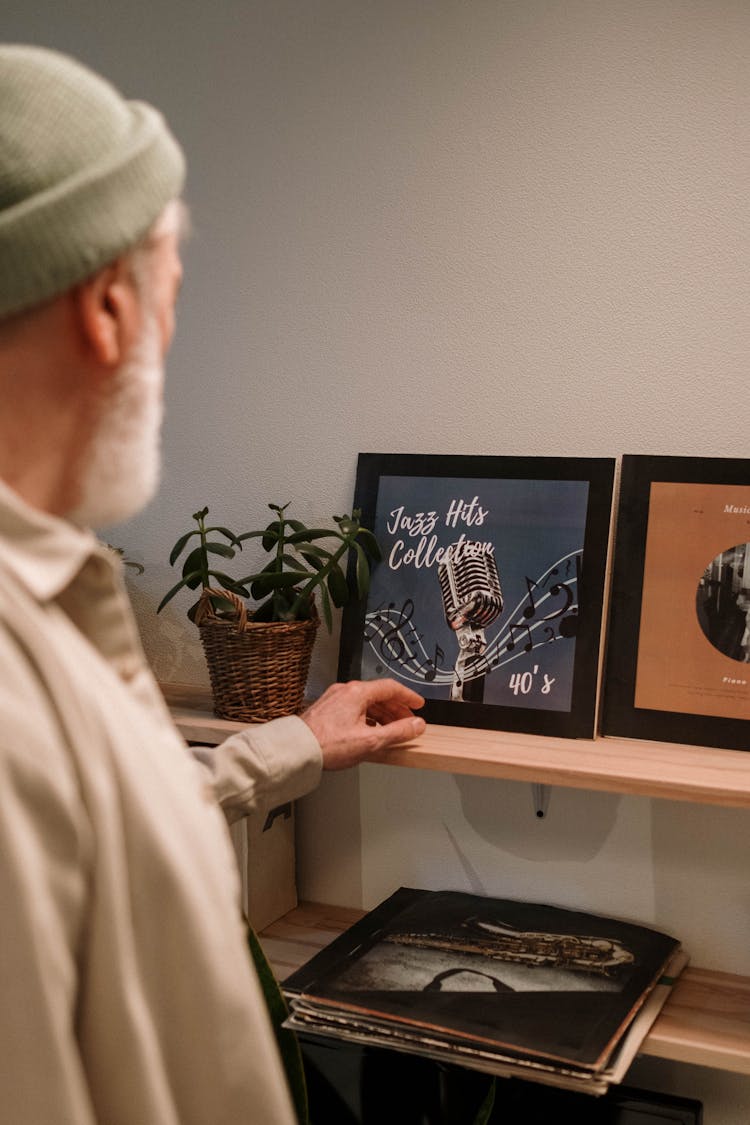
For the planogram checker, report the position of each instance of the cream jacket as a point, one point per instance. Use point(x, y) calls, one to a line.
point(126, 993)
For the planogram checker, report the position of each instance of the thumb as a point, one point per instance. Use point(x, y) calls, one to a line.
point(398, 732)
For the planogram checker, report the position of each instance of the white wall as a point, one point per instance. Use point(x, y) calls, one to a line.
point(491, 226)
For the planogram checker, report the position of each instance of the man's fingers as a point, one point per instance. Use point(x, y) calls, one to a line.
point(388, 702)
point(341, 720)
point(391, 691)
point(400, 730)
point(383, 713)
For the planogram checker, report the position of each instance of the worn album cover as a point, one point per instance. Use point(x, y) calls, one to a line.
point(494, 983)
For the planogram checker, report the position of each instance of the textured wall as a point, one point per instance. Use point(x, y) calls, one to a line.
point(495, 226)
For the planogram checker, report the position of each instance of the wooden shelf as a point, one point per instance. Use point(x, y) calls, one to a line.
point(706, 1021)
point(614, 765)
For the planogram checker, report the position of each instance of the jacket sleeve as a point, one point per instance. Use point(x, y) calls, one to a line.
point(44, 854)
point(263, 766)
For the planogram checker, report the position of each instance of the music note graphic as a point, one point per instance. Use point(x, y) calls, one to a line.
point(393, 646)
point(432, 666)
point(519, 626)
point(529, 610)
point(569, 624)
point(553, 573)
point(554, 592)
point(374, 619)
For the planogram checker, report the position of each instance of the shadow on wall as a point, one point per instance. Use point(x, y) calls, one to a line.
point(577, 823)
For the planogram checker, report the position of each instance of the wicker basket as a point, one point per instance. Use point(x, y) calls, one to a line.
point(258, 670)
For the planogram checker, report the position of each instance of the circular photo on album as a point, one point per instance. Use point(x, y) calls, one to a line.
point(722, 602)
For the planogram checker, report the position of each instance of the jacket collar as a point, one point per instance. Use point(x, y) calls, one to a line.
point(45, 553)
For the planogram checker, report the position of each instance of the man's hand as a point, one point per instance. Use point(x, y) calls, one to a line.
point(351, 721)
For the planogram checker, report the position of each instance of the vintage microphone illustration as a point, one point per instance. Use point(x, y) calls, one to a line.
point(472, 599)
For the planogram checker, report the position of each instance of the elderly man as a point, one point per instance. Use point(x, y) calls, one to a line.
point(127, 993)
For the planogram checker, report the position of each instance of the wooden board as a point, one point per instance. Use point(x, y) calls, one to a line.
point(614, 765)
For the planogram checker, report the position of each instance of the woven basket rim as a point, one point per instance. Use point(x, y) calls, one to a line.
point(243, 622)
point(260, 626)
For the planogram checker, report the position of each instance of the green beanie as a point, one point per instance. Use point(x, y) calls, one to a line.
point(83, 174)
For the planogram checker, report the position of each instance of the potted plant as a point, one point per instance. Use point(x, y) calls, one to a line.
point(258, 659)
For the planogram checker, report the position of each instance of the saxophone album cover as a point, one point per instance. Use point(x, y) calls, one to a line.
point(487, 974)
point(488, 597)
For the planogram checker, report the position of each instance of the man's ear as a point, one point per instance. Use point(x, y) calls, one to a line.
point(108, 313)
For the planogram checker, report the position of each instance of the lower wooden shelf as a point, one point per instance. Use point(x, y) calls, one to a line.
point(706, 1020)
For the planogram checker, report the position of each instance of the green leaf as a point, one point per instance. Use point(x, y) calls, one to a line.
point(310, 549)
point(485, 1109)
point(180, 546)
point(326, 604)
point(289, 1049)
point(229, 583)
point(201, 515)
point(308, 535)
point(347, 525)
point(193, 610)
point(272, 534)
point(338, 588)
point(194, 580)
point(195, 562)
point(282, 610)
point(221, 549)
point(363, 572)
point(265, 583)
point(170, 594)
point(370, 543)
point(226, 532)
point(249, 535)
point(265, 612)
point(315, 561)
point(224, 606)
point(306, 608)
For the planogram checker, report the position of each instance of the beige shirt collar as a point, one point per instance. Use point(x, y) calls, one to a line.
point(44, 553)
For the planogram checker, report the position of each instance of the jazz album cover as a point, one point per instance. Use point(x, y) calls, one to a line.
point(487, 979)
point(488, 598)
point(679, 645)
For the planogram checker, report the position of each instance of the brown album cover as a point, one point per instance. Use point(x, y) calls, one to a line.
point(678, 645)
point(694, 643)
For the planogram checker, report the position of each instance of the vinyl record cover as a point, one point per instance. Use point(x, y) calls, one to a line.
point(678, 647)
point(694, 646)
point(496, 979)
point(488, 599)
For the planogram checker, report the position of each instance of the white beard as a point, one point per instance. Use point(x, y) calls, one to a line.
point(122, 467)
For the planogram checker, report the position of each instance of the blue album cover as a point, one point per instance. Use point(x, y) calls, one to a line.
point(476, 597)
point(488, 598)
